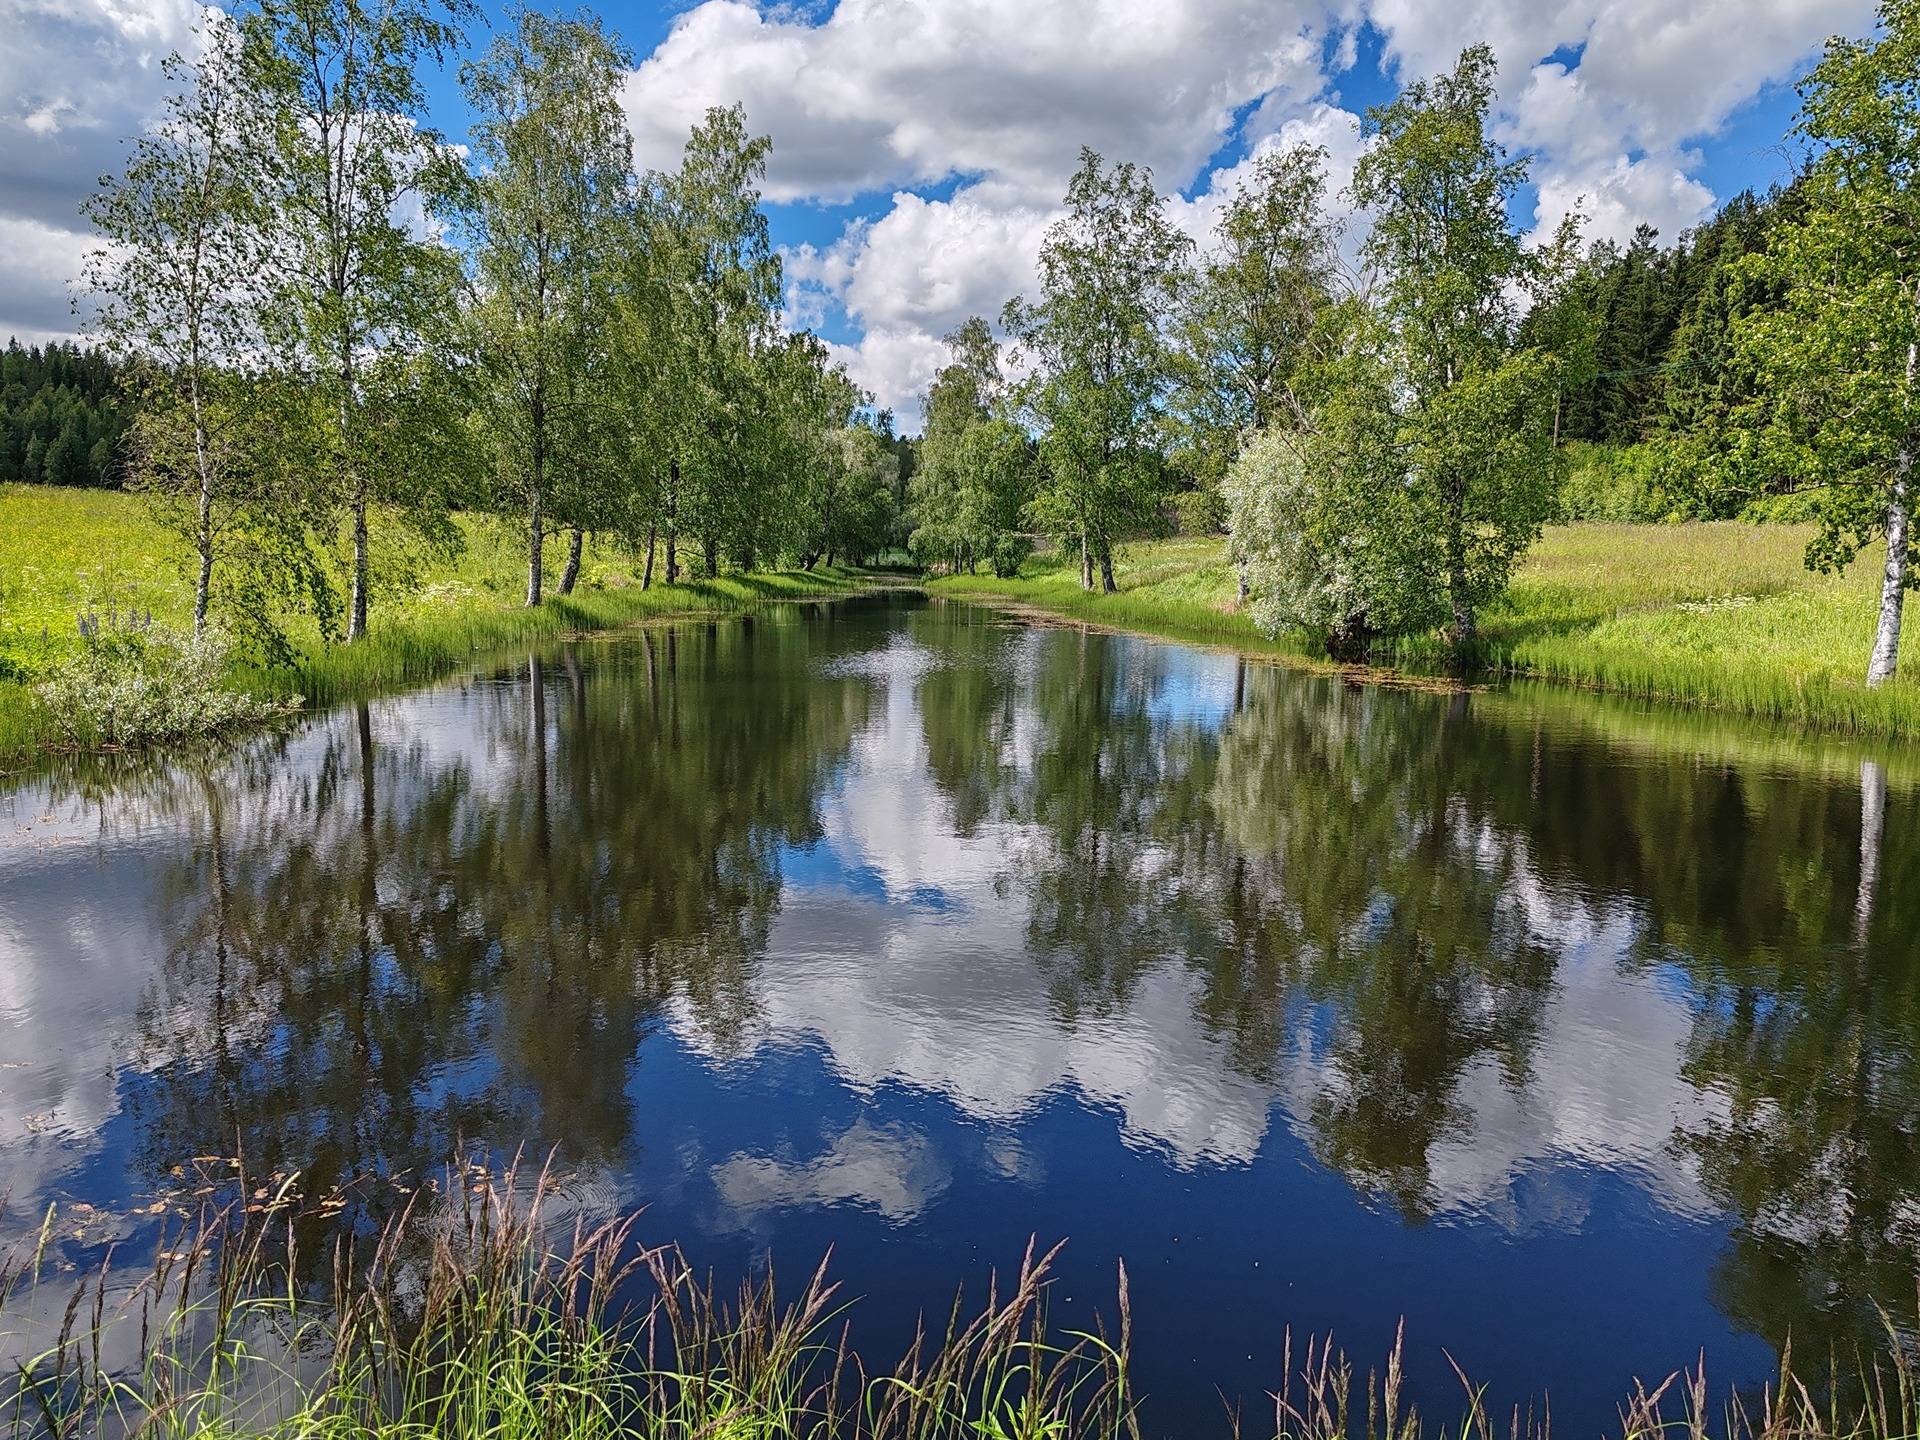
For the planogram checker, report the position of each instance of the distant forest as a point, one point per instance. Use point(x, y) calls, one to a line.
point(1662, 316)
point(61, 416)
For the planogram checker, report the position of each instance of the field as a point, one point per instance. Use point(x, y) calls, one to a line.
point(1721, 615)
point(64, 552)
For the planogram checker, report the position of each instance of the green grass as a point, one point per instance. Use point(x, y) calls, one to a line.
point(64, 551)
point(1721, 615)
point(473, 1315)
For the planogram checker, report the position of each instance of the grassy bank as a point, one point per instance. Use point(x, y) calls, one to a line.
point(483, 1311)
point(63, 552)
point(1717, 615)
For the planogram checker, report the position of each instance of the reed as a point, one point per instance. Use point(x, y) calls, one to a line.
point(483, 1310)
point(479, 1313)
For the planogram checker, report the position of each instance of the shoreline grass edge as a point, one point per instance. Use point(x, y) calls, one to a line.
point(1735, 644)
point(412, 647)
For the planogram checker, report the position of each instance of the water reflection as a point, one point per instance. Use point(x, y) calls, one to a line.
point(885, 924)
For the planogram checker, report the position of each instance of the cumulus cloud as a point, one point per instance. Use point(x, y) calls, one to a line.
point(955, 123)
point(914, 275)
point(882, 94)
point(1650, 77)
point(77, 78)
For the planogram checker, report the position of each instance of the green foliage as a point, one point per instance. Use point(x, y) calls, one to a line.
point(545, 214)
point(359, 306)
point(1662, 318)
point(975, 480)
point(1473, 476)
point(1833, 409)
point(1097, 339)
point(1619, 483)
point(1252, 321)
point(131, 682)
point(1424, 459)
point(1307, 568)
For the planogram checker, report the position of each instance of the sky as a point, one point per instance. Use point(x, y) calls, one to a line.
point(920, 147)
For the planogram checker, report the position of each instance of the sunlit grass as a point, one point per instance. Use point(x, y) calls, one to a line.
point(65, 550)
point(1722, 615)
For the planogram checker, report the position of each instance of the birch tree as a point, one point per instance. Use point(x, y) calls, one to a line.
point(1251, 321)
point(961, 397)
point(1097, 338)
point(1834, 411)
point(554, 162)
point(354, 186)
point(721, 284)
point(1476, 433)
point(177, 292)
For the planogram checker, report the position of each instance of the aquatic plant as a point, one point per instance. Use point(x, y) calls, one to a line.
point(485, 1307)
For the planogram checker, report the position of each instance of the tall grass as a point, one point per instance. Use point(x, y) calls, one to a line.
point(482, 1311)
point(475, 1312)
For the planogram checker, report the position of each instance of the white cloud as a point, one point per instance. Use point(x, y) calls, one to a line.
point(1614, 198)
point(884, 93)
point(77, 78)
point(914, 275)
point(1650, 77)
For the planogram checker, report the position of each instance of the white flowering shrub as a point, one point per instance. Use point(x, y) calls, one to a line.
point(132, 682)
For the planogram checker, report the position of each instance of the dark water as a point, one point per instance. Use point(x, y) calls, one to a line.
point(1582, 1039)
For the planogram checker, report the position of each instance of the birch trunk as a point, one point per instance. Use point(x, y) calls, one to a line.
point(570, 576)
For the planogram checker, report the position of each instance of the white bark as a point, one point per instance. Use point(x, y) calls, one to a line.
point(1873, 824)
point(1893, 584)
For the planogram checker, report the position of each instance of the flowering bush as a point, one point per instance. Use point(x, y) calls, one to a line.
point(132, 682)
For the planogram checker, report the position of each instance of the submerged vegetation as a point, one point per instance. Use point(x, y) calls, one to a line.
point(488, 1307)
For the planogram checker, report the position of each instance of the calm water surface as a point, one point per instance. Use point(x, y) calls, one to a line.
point(1582, 1040)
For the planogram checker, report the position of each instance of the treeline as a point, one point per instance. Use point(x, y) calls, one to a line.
point(1382, 446)
point(1665, 367)
point(339, 330)
point(60, 416)
point(1661, 319)
point(1379, 448)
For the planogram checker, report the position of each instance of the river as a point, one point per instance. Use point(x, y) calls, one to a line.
point(1579, 1036)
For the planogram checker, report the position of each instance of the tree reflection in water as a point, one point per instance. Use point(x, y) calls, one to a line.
point(1435, 936)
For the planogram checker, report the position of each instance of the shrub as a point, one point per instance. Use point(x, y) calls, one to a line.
point(1009, 551)
point(132, 682)
point(1619, 484)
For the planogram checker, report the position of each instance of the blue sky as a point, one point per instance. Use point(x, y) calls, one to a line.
point(920, 146)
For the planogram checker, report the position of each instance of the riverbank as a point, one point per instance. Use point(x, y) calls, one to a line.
point(481, 1310)
point(1722, 616)
point(66, 551)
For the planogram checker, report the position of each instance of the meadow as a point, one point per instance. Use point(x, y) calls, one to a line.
point(1721, 615)
point(65, 553)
